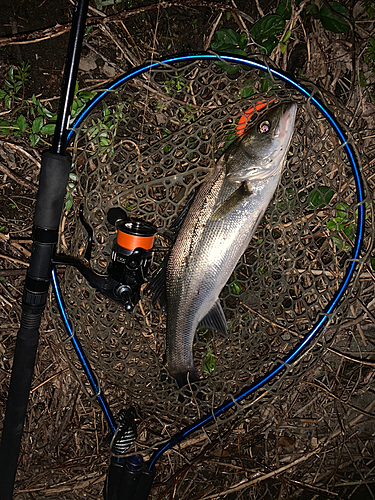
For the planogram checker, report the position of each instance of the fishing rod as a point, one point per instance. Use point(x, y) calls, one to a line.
point(55, 168)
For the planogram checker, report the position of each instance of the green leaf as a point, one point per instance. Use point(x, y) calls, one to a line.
point(43, 111)
point(372, 260)
point(270, 44)
point(2, 94)
point(48, 129)
point(227, 40)
point(267, 26)
point(225, 37)
point(37, 124)
point(362, 79)
point(242, 43)
point(247, 92)
point(331, 21)
point(85, 95)
point(331, 224)
point(342, 211)
point(34, 139)
point(21, 123)
point(287, 36)
point(284, 9)
point(312, 10)
point(340, 243)
point(8, 101)
point(227, 68)
point(321, 196)
point(68, 204)
point(349, 231)
point(17, 86)
point(210, 362)
point(236, 288)
point(283, 47)
point(11, 73)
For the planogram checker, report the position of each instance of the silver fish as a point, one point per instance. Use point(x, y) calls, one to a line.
point(216, 231)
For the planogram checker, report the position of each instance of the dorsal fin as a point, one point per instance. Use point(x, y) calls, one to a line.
point(176, 226)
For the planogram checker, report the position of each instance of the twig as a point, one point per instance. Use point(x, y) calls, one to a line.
point(207, 43)
point(59, 488)
point(365, 309)
point(245, 484)
point(11, 259)
point(17, 246)
point(131, 58)
point(60, 29)
point(16, 178)
point(351, 358)
point(260, 10)
point(105, 59)
point(257, 313)
point(49, 379)
point(21, 150)
point(34, 36)
point(12, 272)
point(363, 412)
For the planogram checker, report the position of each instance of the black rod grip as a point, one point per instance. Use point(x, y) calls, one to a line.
point(19, 389)
point(53, 180)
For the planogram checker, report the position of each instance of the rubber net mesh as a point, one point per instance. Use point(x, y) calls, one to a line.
point(146, 147)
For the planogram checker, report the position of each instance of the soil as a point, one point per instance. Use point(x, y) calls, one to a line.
point(64, 452)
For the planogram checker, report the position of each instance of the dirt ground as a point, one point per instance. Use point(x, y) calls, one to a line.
point(315, 442)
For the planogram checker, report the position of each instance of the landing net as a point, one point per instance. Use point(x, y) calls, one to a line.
point(146, 147)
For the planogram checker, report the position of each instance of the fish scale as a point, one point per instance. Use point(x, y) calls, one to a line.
point(217, 230)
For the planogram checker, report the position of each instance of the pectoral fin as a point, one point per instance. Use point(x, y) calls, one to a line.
point(232, 202)
point(215, 319)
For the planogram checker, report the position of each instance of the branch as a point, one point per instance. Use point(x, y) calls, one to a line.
point(60, 29)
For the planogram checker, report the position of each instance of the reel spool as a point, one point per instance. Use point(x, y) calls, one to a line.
point(131, 258)
point(145, 147)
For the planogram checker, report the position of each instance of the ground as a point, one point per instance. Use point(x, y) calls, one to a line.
point(314, 441)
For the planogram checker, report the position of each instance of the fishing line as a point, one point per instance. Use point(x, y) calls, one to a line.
point(298, 351)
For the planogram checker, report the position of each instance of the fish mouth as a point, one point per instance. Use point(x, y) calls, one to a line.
point(284, 130)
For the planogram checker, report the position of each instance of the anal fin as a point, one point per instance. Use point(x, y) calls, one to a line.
point(215, 318)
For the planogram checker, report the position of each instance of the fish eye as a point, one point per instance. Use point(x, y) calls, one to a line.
point(264, 127)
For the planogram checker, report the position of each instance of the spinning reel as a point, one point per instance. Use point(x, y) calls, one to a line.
point(131, 259)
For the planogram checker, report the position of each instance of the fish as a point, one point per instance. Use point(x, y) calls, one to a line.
point(215, 231)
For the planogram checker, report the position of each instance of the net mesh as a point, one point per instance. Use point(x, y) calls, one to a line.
point(146, 147)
